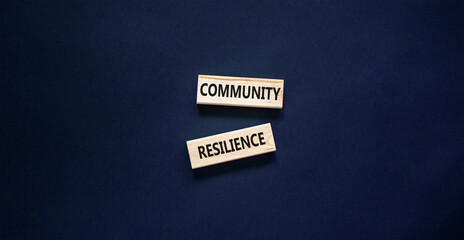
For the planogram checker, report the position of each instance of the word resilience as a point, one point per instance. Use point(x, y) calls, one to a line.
point(230, 146)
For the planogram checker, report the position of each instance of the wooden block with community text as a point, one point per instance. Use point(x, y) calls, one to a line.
point(240, 91)
point(230, 146)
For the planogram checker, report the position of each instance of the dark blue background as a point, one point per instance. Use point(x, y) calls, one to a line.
point(98, 99)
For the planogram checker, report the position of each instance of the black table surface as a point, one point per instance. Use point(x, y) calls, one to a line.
point(99, 97)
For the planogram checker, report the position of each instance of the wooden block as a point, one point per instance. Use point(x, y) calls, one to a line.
point(230, 146)
point(240, 91)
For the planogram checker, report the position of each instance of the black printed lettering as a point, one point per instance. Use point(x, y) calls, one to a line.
point(231, 145)
point(261, 138)
point(201, 151)
point(253, 142)
point(235, 91)
point(223, 91)
point(245, 142)
point(215, 90)
point(237, 144)
point(276, 92)
point(201, 89)
point(216, 149)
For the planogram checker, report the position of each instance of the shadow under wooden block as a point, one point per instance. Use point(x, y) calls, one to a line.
point(234, 166)
point(240, 112)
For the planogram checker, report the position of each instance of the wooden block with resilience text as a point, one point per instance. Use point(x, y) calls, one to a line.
point(240, 91)
point(230, 146)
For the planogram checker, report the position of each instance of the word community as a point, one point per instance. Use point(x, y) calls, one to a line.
point(240, 91)
point(232, 145)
